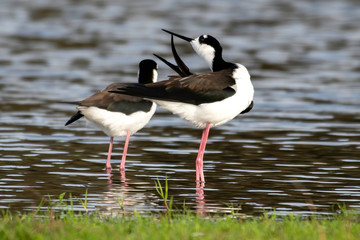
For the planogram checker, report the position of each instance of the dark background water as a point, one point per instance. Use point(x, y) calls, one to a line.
point(297, 151)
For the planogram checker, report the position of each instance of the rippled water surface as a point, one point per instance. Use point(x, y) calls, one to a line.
point(298, 150)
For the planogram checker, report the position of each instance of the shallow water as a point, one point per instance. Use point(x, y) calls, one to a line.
point(298, 150)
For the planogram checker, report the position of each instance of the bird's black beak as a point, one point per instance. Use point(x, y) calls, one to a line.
point(179, 36)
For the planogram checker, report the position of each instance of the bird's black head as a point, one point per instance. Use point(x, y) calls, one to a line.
point(210, 40)
point(209, 49)
point(147, 71)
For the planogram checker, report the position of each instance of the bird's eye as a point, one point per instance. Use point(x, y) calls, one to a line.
point(201, 39)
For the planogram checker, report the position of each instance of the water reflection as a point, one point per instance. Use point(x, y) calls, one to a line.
point(121, 197)
point(200, 199)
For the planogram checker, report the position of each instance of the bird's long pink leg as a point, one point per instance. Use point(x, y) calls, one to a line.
point(108, 165)
point(122, 165)
point(199, 159)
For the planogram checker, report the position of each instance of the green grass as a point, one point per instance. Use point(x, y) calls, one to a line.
point(179, 226)
point(59, 220)
point(164, 193)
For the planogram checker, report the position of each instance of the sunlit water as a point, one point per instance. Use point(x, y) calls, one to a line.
point(298, 150)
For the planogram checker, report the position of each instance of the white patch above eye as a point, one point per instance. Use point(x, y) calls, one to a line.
point(205, 36)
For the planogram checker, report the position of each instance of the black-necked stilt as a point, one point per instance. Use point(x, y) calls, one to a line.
point(205, 100)
point(119, 115)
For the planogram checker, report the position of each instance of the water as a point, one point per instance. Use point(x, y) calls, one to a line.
point(297, 151)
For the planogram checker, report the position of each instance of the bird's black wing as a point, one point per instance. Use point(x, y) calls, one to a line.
point(194, 89)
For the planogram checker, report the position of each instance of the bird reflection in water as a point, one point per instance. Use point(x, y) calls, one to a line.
point(200, 199)
point(117, 193)
point(123, 178)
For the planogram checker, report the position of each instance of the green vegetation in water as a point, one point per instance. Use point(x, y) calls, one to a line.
point(164, 193)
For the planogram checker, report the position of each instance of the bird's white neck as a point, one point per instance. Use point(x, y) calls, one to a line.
point(205, 51)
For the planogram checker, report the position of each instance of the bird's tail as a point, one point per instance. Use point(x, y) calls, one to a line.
point(74, 118)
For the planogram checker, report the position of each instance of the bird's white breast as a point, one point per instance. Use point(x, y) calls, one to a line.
point(220, 112)
point(117, 124)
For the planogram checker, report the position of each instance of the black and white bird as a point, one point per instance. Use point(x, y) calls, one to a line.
point(205, 100)
point(119, 115)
